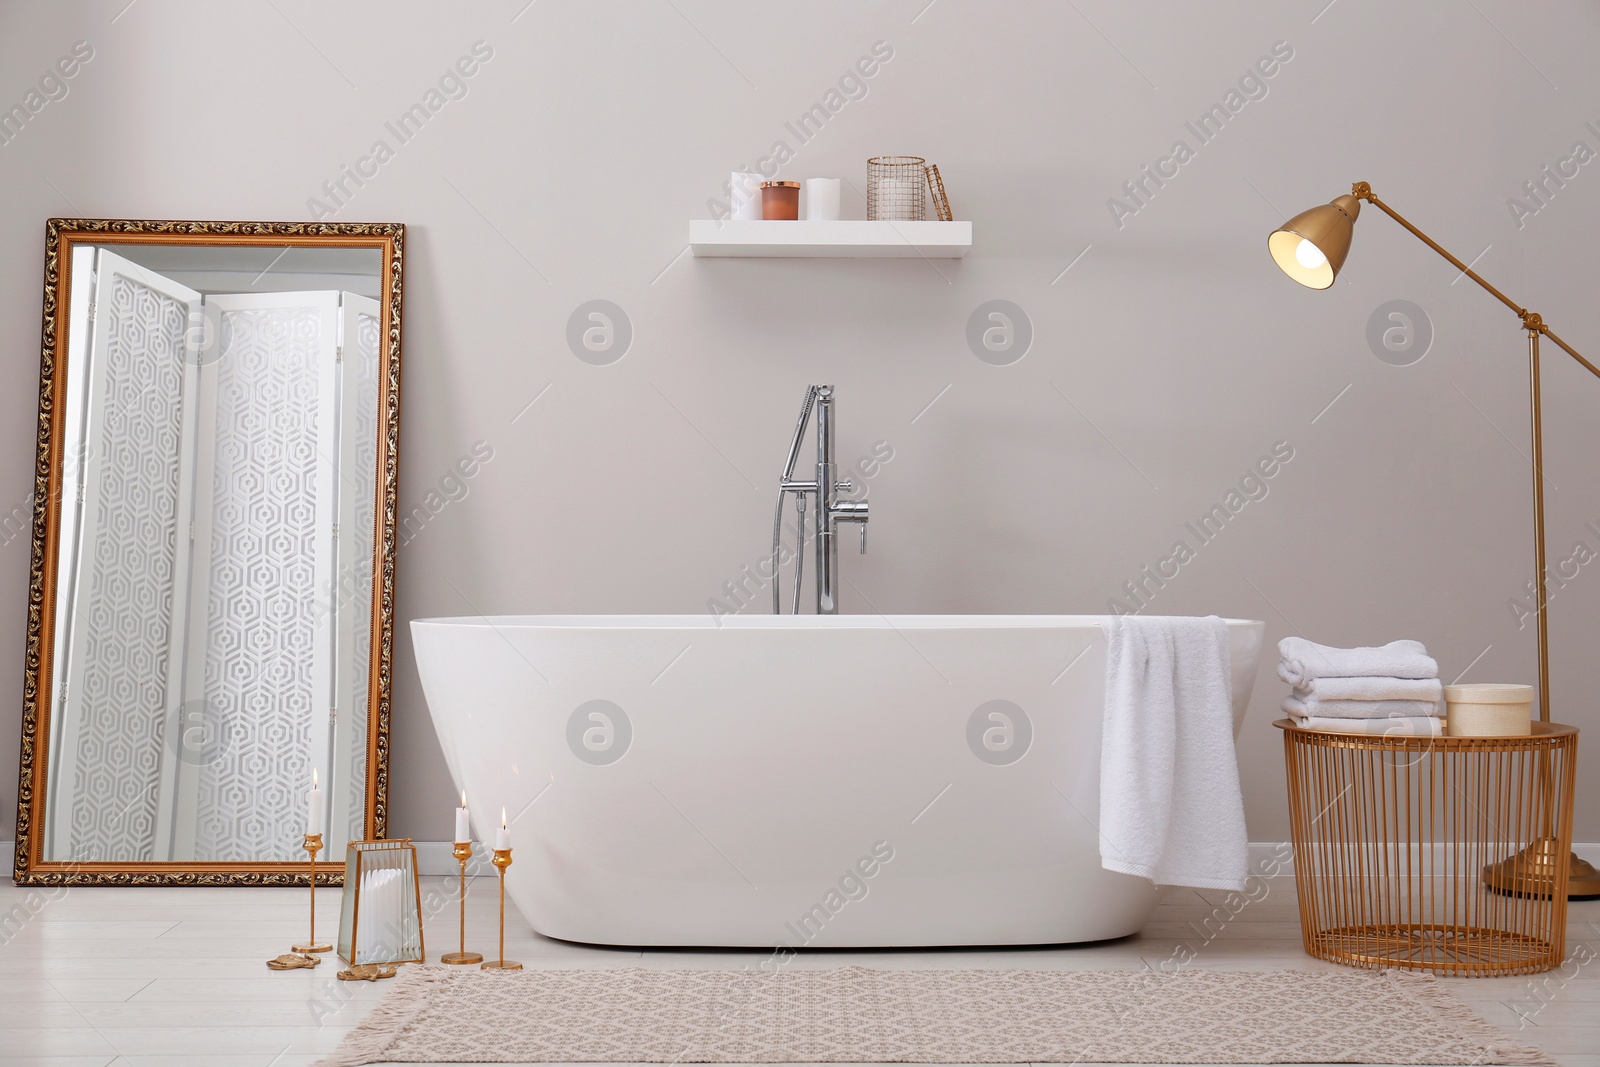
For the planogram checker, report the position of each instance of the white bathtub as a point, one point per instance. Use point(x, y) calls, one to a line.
point(799, 780)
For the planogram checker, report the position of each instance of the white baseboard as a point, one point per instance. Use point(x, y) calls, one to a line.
point(1269, 858)
point(435, 859)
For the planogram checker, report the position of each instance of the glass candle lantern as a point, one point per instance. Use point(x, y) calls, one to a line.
point(381, 917)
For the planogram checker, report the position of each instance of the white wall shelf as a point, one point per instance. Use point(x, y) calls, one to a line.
point(837, 239)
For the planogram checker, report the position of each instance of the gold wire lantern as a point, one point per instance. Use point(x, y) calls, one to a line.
point(896, 188)
point(1399, 841)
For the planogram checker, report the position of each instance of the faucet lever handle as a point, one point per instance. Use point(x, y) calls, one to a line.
point(845, 486)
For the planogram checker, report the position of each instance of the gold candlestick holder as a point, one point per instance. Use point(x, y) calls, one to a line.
point(313, 845)
point(502, 860)
point(462, 853)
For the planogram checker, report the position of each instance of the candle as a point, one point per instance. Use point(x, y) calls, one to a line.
point(378, 938)
point(314, 807)
point(502, 836)
point(463, 826)
point(822, 198)
point(745, 189)
point(900, 199)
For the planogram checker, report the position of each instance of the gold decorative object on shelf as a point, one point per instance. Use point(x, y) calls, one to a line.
point(1399, 846)
point(293, 961)
point(463, 853)
point(381, 920)
point(895, 186)
point(1310, 248)
point(313, 845)
point(502, 860)
point(941, 200)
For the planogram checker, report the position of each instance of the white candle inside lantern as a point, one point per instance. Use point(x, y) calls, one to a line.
point(378, 938)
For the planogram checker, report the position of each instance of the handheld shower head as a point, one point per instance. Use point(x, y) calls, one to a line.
point(800, 432)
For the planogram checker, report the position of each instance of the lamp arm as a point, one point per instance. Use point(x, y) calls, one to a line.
point(1531, 320)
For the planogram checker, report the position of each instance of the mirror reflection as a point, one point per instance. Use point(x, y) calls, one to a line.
point(213, 587)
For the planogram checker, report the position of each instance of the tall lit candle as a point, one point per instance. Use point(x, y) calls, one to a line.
point(314, 807)
point(463, 824)
point(502, 836)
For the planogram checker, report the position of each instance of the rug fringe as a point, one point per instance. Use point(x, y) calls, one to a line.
point(369, 1042)
point(1427, 990)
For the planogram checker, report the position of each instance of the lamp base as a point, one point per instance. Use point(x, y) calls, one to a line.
point(461, 957)
point(313, 947)
point(502, 965)
point(1583, 879)
point(1532, 873)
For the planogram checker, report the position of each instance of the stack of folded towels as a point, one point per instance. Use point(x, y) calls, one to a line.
point(1392, 689)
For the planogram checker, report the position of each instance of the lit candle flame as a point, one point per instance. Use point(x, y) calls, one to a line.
point(313, 778)
point(463, 798)
point(502, 818)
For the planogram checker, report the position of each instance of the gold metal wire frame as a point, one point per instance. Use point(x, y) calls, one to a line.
point(1392, 837)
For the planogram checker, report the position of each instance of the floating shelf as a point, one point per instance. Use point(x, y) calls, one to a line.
point(838, 239)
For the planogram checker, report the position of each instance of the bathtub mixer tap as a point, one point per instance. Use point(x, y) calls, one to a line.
point(828, 510)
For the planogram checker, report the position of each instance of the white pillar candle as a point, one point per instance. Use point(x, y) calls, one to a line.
point(900, 198)
point(502, 836)
point(378, 938)
point(314, 807)
point(822, 198)
point(746, 195)
point(463, 824)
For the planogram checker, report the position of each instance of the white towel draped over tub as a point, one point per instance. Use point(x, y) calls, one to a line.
point(1170, 805)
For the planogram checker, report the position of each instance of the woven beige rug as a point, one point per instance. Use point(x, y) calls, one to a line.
point(861, 1015)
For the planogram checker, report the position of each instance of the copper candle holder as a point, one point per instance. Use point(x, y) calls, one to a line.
point(313, 845)
point(502, 860)
point(462, 853)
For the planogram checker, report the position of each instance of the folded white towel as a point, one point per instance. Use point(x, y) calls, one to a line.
point(1361, 709)
point(1170, 805)
point(1304, 660)
point(1414, 726)
point(1366, 688)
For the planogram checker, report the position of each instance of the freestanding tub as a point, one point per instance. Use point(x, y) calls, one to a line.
point(817, 781)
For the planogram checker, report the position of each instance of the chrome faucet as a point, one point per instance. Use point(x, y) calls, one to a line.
point(828, 510)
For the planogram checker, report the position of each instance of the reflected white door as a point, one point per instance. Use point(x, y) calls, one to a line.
point(350, 602)
point(260, 666)
point(129, 563)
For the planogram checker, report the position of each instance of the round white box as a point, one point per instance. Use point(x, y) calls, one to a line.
point(1489, 710)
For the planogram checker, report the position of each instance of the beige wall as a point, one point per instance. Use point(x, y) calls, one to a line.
point(1166, 361)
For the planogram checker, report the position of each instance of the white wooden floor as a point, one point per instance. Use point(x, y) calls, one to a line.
point(177, 977)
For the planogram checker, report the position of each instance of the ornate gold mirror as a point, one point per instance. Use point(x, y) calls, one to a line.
point(211, 600)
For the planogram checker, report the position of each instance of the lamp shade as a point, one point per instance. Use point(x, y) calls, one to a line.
point(1311, 247)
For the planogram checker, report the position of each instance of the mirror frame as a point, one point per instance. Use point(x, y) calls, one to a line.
point(30, 868)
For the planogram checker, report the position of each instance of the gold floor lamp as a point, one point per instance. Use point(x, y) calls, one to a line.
point(1310, 248)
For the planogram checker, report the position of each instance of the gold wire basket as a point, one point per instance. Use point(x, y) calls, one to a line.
point(1398, 839)
point(896, 188)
